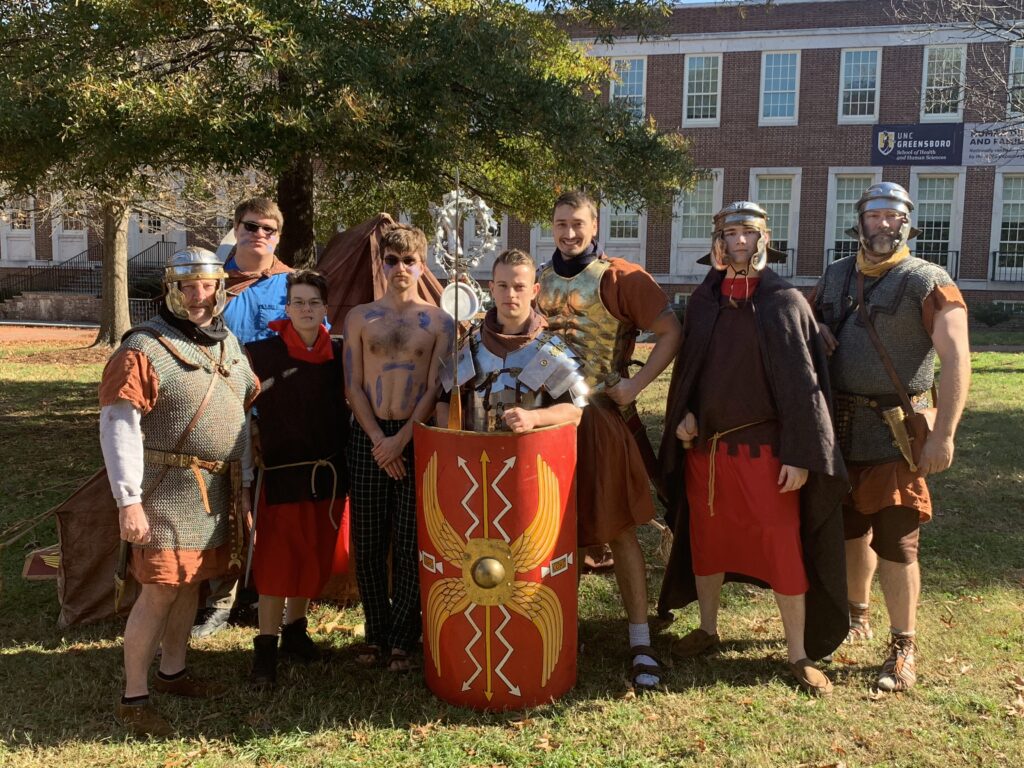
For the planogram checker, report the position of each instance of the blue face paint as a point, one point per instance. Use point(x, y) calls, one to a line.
point(380, 391)
point(399, 367)
point(424, 319)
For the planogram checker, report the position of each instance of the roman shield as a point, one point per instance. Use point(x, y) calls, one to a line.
point(497, 547)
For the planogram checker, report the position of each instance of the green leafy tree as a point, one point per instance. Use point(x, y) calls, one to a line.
point(370, 105)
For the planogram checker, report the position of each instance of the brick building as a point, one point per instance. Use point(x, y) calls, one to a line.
point(784, 104)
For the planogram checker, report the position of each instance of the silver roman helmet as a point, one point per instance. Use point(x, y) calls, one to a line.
point(748, 214)
point(193, 263)
point(884, 196)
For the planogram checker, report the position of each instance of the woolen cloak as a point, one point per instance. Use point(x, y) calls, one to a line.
point(797, 368)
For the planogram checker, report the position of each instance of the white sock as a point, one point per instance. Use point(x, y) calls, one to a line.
point(640, 634)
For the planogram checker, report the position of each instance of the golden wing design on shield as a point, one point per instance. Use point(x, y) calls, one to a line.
point(442, 535)
point(537, 541)
point(446, 598)
point(539, 604)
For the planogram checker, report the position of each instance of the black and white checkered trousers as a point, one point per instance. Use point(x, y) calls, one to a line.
point(383, 514)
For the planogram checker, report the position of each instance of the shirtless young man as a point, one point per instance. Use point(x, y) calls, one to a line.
point(393, 349)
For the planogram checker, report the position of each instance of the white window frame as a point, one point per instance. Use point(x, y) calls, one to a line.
point(997, 222)
point(859, 119)
point(830, 220)
point(956, 211)
point(793, 242)
point(795, 119)
point(704, 122)
point(643, 83)
point(628, 248)
point(13, 240)
point(682, 246)
point(948, 117)
point(1010, 111)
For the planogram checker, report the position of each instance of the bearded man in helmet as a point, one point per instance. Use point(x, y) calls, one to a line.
point(173, 431)
point(915, 311)
point(749, 458)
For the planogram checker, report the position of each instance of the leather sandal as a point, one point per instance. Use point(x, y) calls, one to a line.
point(694, 643)
point(369, 655)
point(637, 670)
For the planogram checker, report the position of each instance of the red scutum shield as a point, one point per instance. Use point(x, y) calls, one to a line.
point(496, 515)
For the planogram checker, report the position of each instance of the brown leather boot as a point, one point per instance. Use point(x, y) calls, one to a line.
point(189, 687)
point(142, 719)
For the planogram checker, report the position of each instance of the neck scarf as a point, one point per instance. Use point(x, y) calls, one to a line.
point(322, 350)
point(869, 269)
point(571, 267)
point(238, 280)
point(207, 335)
point(502, 344)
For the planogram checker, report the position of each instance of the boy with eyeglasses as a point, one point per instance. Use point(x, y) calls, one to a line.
point(257, 293)
point(393, 351)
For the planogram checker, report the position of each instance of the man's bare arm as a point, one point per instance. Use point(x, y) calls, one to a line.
point(669, 337)
point(523, 420)
point(949, 336)
point(357, 400)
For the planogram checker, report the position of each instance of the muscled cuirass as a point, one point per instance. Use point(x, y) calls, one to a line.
point(531, 377)
point(574, 310)
point(174, 505)
point(894, 302)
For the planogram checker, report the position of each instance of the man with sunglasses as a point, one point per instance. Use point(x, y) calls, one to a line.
point(257, 288)
point(393, 352)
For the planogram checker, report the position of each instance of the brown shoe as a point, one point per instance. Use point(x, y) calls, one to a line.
point(811, 679)
point(190, 687)
point(898, 671)
point(694, 643)
point(142, 719)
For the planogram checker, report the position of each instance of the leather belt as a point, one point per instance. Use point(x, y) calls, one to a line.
point(184, 461)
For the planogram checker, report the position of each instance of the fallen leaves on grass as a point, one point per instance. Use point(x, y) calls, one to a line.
point(545, 743)
point(1016, 708)
point(519, 725)
point(840, 764)
point(1018, 683)
point(420, 732)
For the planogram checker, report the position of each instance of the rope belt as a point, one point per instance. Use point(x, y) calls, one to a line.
point(316, 465)
point(714, 451)
point(194, 463)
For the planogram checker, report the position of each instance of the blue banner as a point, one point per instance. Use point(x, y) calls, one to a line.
point(917, 144)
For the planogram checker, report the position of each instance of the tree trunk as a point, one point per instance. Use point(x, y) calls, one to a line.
point(295, 198)
point(115, 319)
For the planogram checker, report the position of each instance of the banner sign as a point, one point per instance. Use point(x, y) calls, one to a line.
point(999, 144)
point(917, 144)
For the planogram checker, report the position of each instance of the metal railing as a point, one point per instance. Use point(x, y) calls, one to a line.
point(834, 254)
point(83, 274)
point(81, 271)
point(1008, 266)
point(786, 268)
point(948, 260)
point(140, 310)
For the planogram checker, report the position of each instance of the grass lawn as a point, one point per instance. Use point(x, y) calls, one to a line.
point(736, 708)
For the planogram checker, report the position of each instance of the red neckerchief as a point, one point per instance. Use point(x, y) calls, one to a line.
point(502, 344)
point(322, 350)
point(739, 288)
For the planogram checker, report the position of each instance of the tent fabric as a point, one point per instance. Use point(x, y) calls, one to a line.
point(89, 535)
point(352, 265)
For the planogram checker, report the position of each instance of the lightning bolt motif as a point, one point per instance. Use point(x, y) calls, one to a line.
point(469, 646)
point(468, 496)
point(513, 689)
point(509, 463)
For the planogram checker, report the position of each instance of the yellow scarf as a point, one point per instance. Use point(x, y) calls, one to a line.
point(872, 269)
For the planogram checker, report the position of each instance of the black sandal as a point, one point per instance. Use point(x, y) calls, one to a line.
point(368, 655)
point(636, 670)
point(399, 662)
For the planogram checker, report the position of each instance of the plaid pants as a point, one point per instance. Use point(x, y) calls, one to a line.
point(383, 514)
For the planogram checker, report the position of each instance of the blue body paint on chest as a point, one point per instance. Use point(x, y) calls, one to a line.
point(407, 394)
point(424, 319)
point(399, 367)
point(375, 314)
point(380, 391)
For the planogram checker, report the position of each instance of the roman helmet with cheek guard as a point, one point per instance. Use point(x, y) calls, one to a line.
point(884, 196)
point(193, 263)
point(741, 213)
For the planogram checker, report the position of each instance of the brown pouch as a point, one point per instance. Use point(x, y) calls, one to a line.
point(919, 424)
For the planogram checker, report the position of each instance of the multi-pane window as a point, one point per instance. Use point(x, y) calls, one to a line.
point(942, 94)
point(150, 223)
point(775, 195)
point(934, 218)
point(71, 223)
point(696, 207)
point(623, 224)
point(780, 80)
point(1011, 226)
point(628, 87)
point(1015, 81)
point(21, 214)
point(858, 84)
point(849, 188)
point(701, 97)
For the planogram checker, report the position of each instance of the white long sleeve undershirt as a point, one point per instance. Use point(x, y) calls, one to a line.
point(121, 441)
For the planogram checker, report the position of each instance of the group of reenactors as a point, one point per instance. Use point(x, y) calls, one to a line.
point(792, 439)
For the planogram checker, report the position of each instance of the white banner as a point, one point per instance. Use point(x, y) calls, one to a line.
point(1000, 144)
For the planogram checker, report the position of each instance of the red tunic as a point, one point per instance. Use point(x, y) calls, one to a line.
point(749, 528)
